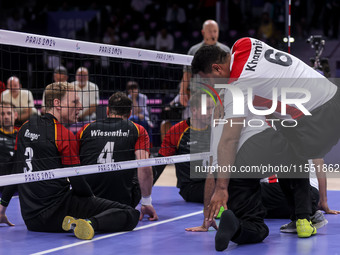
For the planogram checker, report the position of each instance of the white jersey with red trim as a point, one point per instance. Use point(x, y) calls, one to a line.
point(258, 68)
point(251, 124)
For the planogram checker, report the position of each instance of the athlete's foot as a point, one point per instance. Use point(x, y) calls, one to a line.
point(304, 228)
point(229, 225)
point(82, 229)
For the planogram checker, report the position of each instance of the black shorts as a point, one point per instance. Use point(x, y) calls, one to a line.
point(315, 135)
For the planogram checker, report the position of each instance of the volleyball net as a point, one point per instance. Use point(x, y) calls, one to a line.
point(149, 78)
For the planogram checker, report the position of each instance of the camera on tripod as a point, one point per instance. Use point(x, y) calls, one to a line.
point(320, 64)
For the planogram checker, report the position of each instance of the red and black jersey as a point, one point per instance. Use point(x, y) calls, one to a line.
point(184, 139)
point(42, 144)
point(112, 140)
point(7, 142)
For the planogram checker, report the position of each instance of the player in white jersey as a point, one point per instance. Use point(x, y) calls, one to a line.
point(281, 83)
point(260, 76)
point(258, 145)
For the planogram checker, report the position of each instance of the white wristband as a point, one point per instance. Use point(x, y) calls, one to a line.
point(146, 200)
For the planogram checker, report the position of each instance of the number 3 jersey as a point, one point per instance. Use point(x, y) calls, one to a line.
point(110, 141)
point(257, 68)
point(42, 144)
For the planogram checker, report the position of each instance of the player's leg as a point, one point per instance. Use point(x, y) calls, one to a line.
point(87, 215)
point(193, 192)
point(275, 201)
point(105, 215)
point(243, 221)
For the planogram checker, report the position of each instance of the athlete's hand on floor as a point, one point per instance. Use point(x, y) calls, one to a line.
point(3, 217)
point(323, 205)
point(205, 226)
point(148, 210)
point(218, 199)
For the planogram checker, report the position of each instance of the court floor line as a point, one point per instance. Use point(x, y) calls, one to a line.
point(116, 234)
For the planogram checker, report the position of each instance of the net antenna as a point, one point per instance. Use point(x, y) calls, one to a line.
point(289, 23)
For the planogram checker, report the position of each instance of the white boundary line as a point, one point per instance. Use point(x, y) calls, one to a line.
point(117, 234)
point(97, 168)
point(82, 47)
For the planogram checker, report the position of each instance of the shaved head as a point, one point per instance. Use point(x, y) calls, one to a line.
point(210, 32)
point(82, 76)
point(209, 22)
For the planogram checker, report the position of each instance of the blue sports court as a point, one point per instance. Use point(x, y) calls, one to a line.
point(167, 235)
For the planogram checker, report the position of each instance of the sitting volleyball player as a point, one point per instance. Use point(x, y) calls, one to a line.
point(188, 137)
point(316, 107)
point(8, 115)
point(243, 220)
point(51, 205)
point(127, 141)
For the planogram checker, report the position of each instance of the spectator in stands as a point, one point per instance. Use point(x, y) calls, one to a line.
point(22, 99)
point(110, 37)
point(175, 17)
point(59, 75)
point(164, 41)
point(266, 30)
point(139, 5)
point(15, 22)
point(146, 40)
point(140, 113)
point(88, 93)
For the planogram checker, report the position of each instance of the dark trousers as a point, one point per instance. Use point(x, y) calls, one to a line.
point(245, 202)
point(276, 204)
point(193, 192)
point(105, 215)
point(266, 148)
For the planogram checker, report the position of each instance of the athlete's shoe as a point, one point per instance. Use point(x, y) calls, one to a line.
point(318, 220)
point(304, 228)
point(82, 229)
point(289, 228)
point(220, 213)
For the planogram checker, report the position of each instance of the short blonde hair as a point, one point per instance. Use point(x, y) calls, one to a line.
point(6, 104)
point(56, 90)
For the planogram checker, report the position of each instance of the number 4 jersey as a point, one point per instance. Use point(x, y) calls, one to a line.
point(111, 141)
point(258, 68)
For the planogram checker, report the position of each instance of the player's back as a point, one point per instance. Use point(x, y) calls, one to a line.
point(261, 68)
point(109, 141)
point(39, 147)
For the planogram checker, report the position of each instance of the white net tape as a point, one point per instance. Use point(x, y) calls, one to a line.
point(98, 168)
point(97, 49)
